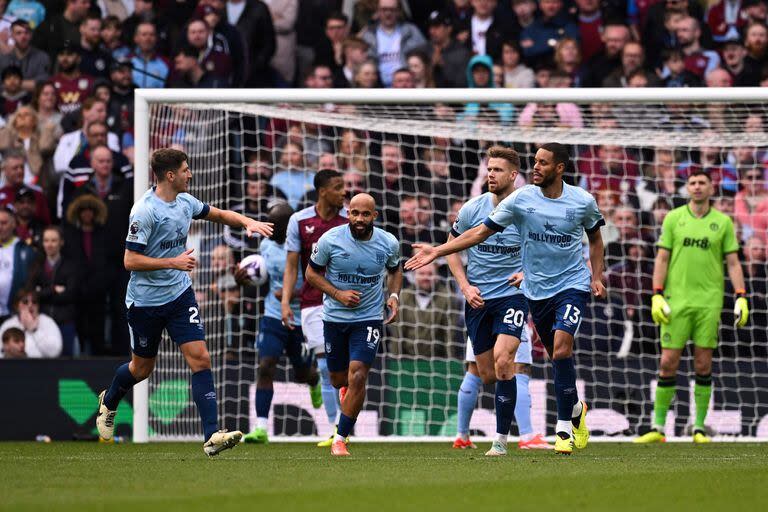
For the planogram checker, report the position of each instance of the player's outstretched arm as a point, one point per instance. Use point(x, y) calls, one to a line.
point(236, 220)
point(597, 260)
point(426, 254)
point(350, 298)
point(735, 273)
point(394, 284)
point(471, 293)
point(135, 261)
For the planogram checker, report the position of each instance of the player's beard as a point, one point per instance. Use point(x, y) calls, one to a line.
point(361, 235)
point(546, 181)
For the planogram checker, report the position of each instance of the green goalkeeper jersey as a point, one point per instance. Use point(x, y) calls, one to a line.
point(697, 245)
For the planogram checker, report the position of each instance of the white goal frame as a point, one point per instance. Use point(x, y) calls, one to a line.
point(144, 97)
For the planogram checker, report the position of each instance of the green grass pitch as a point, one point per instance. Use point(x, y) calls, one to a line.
point(425, 477)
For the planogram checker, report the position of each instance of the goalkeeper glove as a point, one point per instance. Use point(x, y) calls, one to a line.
point(660, 309)
point(741, 312)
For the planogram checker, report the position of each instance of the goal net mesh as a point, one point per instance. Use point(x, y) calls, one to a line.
point(421, 162)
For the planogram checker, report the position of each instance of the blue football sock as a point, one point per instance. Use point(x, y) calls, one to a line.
point(506, 396)
point(121, 384)
point(204, 396)
point(345, 425)
point(468, 391)
point(264, 401)
point(523, 405)
point(330, 394)
point(565, 387)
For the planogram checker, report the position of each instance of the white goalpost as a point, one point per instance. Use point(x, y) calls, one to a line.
point(631, 148)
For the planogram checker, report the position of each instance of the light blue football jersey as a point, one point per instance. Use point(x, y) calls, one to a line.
point(352, 264)
point(158, 229)
point(551, 231)
point(274, 254)
point(491, 262)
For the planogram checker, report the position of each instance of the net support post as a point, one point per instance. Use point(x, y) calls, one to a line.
point(140, 185)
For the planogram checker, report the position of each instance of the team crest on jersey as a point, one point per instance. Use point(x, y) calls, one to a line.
point(380, 258)
point(570, 214)
point(82, 84)
point(714, 227)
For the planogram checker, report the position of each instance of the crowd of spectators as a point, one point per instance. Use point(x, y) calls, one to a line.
point(69, 68)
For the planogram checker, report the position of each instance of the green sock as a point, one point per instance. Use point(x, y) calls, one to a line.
point(702, 391)
point(665, 392)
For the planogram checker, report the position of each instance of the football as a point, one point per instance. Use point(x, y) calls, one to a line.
point(256, 268)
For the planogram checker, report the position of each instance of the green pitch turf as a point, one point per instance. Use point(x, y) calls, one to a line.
point(424, 477)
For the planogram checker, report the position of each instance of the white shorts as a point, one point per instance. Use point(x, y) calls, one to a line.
point(524, 354)
point(312, 326)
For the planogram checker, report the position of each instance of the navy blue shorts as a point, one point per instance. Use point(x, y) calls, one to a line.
point(505, 315)
point(351, 341)
point(180, 317)
point(563, 311)
point(275, 340)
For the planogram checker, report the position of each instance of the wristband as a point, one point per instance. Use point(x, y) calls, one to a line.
point(741, 293)
point(396, 296)
point(660, 291)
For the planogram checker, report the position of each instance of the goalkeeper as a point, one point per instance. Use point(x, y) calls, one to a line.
point(688, 297)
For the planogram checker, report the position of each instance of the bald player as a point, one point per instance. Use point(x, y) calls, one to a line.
point(355, 259)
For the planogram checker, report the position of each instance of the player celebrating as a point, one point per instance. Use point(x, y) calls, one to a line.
point(551, 217)
point(160, 292)
point(495, 311)
point(355, 258)
point(688, 297)
point(274, 338)
point(305, 228)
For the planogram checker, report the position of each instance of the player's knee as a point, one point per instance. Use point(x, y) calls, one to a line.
point(357, 379)
point(487, 376)
point(266, 371)
point(505, 367)
point(562, 351)
point(199, 361)
point(702, 367)
point(338, 379)
point(141, 368)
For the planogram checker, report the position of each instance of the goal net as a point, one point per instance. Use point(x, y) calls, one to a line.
point(421, 156)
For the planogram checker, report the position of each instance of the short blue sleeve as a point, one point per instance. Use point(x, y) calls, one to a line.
point(593, 219)
point(504, 213)
point(140, 226)
point(321, 254)
point(199, 209)
point(393, 262)
point(292, 242)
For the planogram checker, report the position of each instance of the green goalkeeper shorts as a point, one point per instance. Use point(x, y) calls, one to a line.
point(697, 324)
